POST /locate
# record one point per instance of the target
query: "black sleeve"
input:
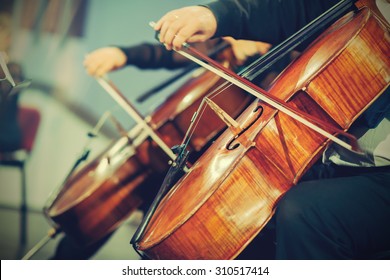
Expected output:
(269, 21)
(17, 75)
(152, 56)
(155, 56)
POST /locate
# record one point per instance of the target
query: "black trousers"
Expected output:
(344, 217)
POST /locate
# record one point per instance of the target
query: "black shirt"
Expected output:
(269, 21)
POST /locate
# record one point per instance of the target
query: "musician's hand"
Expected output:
(104, 60)
(190, 24)
(243, 49)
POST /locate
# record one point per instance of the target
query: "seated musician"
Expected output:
(342, 209)
(10, 131)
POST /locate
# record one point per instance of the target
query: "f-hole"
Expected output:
(230, 146)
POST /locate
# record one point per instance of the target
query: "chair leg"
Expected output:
(23, 213)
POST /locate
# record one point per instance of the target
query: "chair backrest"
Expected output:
(29, 119)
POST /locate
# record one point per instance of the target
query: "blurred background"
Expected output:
(50, 39)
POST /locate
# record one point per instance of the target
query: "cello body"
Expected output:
(229, 195)
(101, 195)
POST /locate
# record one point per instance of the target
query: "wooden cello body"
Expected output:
(229, 195)
(101, 195)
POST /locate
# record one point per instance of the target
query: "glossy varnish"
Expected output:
(228, 196)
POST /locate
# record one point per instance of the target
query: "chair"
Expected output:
(29, 119)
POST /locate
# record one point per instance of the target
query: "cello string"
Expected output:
(277, 52)
(201, 108)
(264, 96)
(194, 123)
(278, 104)
(197, 116)
(264, 62)
(221, 89)
(115, 94)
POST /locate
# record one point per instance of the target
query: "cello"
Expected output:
(230, 194)
(101, 195)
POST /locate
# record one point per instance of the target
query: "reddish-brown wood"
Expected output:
(103, 193)
(173, 117)
(228, 196)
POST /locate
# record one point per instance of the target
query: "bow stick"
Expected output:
(261, 94)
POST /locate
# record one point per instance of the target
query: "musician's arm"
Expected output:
(265, 20)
